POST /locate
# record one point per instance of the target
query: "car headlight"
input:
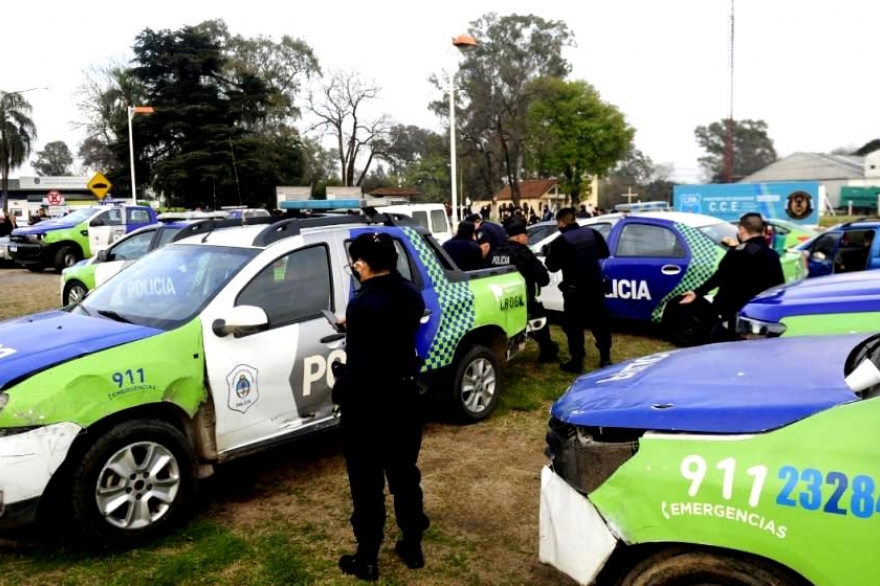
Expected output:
(751, 329)
(35, 237)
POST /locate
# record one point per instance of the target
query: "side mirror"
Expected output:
(103, 256)
(241, 320)
(819, 256)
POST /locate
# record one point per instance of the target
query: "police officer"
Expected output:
(516, 252)
(488, 232)
(464, 249)
(576, 252)
(746, 270)
(378, 398)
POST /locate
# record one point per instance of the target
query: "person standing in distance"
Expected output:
(577, 252)
(746, 270)
(517, 253)
(376, 392)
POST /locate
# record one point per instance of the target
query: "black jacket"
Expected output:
(494, 234)
(528, 265)
(382, 321)
(745, 271)
(465, 252)
(577, 252)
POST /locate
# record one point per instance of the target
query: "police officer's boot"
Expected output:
(410, 551)
(574, 366)
(360, 565)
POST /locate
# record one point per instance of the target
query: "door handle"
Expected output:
(670, 269)
(333, 338)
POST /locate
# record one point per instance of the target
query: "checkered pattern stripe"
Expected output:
(456, 300)
(705, 256)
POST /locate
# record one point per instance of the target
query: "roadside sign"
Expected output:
(54, 198)
(100, 185)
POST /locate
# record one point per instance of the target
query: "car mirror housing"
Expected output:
(241, 320)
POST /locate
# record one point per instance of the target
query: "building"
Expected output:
(833, 171)
(536, 193)
(28, 194)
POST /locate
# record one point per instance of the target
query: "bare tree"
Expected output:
(338, 108)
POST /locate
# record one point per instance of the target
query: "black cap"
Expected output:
(516, 228)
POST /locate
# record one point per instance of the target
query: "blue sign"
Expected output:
(794, 201)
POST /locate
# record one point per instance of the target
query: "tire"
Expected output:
(66, 256)
(136, 520)
(476, 385)
(35, 268)
(74, 292)
(697, 568)
(687, 325)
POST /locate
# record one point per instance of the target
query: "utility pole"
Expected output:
(728, 150)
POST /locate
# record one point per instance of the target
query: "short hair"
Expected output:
(516, 228)
(376, 249)
(475, 218)
(466, 229)
(753, 223)
(566, 215)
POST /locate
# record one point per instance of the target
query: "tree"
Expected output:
(574, 134)
(54, 160)
(339, 110)
(636, 168)
(752, 148)
(868, 147)
(494, 83)
(17, 134)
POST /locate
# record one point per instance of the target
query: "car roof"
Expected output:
(686, 218)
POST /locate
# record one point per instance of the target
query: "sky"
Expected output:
(806, 67)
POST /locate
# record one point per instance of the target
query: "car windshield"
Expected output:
(718, 232)
(539, 232)
(167, 288)
(77, 216)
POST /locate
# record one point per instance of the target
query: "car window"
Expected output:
(293, 288)
(539, 233)
(438, 221)
(422, 219)
(111, 217)
(137, 216)
(165, 236)
(132, 247)
(720, 232)
(649, 241)
(603, 228)
(826, 243)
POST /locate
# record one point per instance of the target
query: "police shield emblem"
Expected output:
(243, 388)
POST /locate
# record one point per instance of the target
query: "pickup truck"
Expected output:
(63, 242)
(215, 347)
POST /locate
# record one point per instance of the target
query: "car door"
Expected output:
(647, 261)
(105, 229)
(122, 254)
(822, 252)
(276, 382)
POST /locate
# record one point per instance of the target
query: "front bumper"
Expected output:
(27, 463)
(574, 537)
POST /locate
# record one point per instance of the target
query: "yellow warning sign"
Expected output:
(99, 185)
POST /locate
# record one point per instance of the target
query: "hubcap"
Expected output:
(76, 294)
(69, 259)
(478, 385)
(137, 485)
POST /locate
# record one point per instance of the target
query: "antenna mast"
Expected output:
(728, 150)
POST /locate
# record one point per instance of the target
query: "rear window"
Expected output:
(718, 232)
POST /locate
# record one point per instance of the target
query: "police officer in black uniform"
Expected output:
(516, 252)
(746, 270)
(380, 423)
(577, 252)
(463, 248)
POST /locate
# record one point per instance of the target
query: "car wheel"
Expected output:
(35, 268)
(476, 386)
(66, 256)
(697, 568)
(687, 325)
(74, 293)
(133, 483)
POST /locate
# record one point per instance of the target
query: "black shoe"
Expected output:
(573, 366)
(411, 554)
(352, 565)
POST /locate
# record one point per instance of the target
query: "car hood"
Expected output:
(44, 340)
(849, 292)
(737, 387)
(45, 226)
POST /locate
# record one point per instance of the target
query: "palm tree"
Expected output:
(17, 134)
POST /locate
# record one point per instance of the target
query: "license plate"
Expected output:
(13, 248)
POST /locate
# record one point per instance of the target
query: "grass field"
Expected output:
(282, 517)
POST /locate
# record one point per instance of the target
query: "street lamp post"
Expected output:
(462, 43)
(132, 110)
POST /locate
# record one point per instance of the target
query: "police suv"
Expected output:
(655, 257)
(214, 347)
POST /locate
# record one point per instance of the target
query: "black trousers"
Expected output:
(586, 309)
(377, 448)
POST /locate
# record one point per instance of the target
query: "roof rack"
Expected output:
(294, 226)
(209, 225)
(332, 204)
(177, 216)
(643, 206)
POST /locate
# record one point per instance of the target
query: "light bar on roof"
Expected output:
(332, 204)
(174, 216)
(643, 206)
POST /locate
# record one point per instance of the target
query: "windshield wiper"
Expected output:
(114, 316)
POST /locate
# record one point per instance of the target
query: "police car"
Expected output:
(743, 464)
(655, 257)
(844, 248)
(214, 347)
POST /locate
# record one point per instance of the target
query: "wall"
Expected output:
(872, 165)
